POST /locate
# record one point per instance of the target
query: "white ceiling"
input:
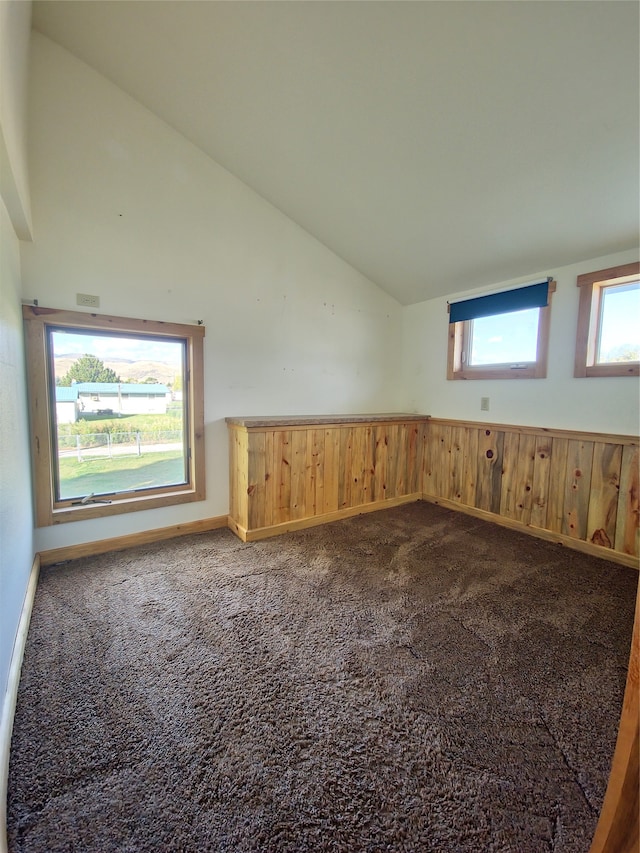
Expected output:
(435, 146)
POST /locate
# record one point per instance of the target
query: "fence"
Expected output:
(109, 444)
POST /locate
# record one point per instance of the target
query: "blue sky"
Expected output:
(621, 323)
(505, 338)
(107, 347)
(512, 337)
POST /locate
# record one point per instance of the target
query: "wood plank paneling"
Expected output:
(557, 478)
(256, 475)
(490, 449)
(298, 473)
(239, 479)
(331, 470)
(470, 457)
(401, 466)
(577, 487)
(456, 464)
(368, 463)
(281, 475)
(282, 468)
(628, 521)
(314, 472)
(234, 465)
(428, 460)
(581, 486)
(393, 454)
(270, 478)
(540, 490)
(346, 467)
(413, 459)
(509, 491)
(526, 466)
(380, 446)
(603, 500)
(357, 471)
(443, 463)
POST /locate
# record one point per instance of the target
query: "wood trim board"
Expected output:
(11, 693)
(119, 543)
(257, 534)
(618, 829)
(608, 438)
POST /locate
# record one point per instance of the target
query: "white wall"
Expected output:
(559, 401)
(127, 209)
(16, 517)
(15, 26)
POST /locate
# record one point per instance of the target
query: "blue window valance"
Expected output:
(519, 299)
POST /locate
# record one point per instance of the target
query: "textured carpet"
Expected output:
(410, 680)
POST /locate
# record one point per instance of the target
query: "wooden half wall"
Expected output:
(289, 473)
(581, 489)
(578, 488)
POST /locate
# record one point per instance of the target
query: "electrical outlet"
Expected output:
(484, 404)
(88, 300)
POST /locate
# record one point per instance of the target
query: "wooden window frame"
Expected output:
(458, 337)
(48, 510)
(591, 286)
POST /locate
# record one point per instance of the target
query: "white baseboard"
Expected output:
(11, 696)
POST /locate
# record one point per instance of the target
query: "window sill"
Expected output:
(66, 513)
(531, 372)
(631, 368)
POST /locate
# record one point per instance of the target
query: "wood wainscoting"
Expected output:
(289, 473)
(578, 488)
(581, 489)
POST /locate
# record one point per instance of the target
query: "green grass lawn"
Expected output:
(102, 475)
(127, 423)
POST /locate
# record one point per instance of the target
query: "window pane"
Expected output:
(505, 338)
(120, 420)
(619, 338)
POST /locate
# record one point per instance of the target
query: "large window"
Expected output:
(501, 336)
(117, 416)
(608, 338)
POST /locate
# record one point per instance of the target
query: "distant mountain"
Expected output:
(127, 370)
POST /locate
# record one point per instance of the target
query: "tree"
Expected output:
(622, 352)
(89, 368)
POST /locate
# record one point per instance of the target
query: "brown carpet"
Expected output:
(411, 680)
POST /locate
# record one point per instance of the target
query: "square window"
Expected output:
(492, 340)
(619, 324)
(506, 339)
(135, 439)
(608, 336)
(107, 437)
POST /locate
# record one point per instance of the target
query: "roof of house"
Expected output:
(126, 389)
(66, 394)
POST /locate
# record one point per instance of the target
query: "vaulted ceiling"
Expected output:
(435, 146)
